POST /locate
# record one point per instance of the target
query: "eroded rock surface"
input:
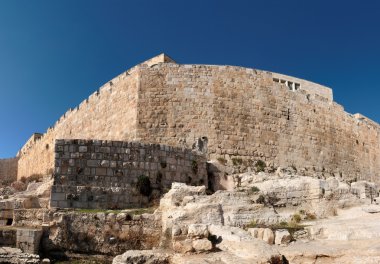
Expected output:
(16, 256)
(142, 256)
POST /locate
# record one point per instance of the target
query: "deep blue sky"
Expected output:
(53, 54)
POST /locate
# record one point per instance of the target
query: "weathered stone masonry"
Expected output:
(8, 170)
(103, 174)
(243, 113)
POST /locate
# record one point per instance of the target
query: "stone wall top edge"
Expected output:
(363, 119)
(234, 67)
(299, 79)
(60, 141)
(177, 65)
(8, 159)
(96, 95)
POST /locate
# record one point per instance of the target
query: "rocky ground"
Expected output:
(277, 217)
(267, 218)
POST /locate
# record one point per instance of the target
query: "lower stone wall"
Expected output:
(102, 233)
(31, 217)
(7, 237)
(105, 174)
(28, 240)
(8, 170)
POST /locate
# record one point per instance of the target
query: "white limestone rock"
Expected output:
(372, 209)
(202, 245)
(142, 256)
(198, 231)
(268, 236)
(183, 246)
(282, 237)
(229, 233)
(265, 234)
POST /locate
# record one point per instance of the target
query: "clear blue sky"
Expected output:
(53, 54)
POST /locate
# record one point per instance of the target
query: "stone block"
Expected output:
(184, 246)
(28, 240)
(58, 196)
(105, 163)
(202, 245)
(268, 236)
(282, 236)
(93, 163)
(101, 171)
(198, 231)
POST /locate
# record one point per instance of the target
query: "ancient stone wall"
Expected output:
(7, 238)
(8, 170)
(245, 114)
(104, 174)
(311, 89)
(241, 113)
(102, 233)
(109, 113)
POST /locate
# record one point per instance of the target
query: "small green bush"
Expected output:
(194, 166)
(296, 218)
(310, 216)
(222, 160)
(237, 161)
(260, 166)
(252, 224)
(255, 189)
(261, 199)
(159, 177)
(143, 185)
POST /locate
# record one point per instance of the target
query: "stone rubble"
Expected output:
(142, 256)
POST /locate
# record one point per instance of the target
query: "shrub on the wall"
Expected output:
(143, 185)
(222, 160)
(237, 161)
(31, 178)
(163, 164)
(260, 166)
(194, 166)
(19, 186)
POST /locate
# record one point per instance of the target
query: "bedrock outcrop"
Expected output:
(288, 213)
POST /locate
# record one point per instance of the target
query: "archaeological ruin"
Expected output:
(233, 112)
(224, 148)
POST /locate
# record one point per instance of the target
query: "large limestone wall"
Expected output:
(8, 170)
(103, 174)
(109, 113)
(244, 113)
